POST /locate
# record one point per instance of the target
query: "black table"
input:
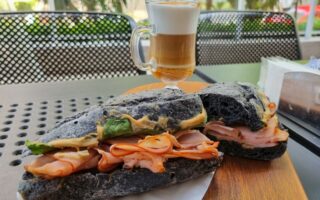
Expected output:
(28, 110)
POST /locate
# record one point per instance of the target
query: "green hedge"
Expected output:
(247, 26)
(90, 27)
(316, 25)
(82, 27)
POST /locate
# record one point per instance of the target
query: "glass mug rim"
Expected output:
(172, 40)
(196, 2)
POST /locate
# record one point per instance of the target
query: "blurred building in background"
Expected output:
(299, 9)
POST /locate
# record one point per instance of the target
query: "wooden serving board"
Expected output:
(243, 179)
(187, 86)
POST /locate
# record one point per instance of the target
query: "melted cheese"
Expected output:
(267, 114)
(86, 141)
(100, 131)
(163, 122)
(72, 155)
(195, 121)
(145, 123)
(140, 124)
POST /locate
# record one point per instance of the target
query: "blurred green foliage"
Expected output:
(38, 28)
(68, 26)
(64, 5)
(81, 27)
(91, 5)
(261, 4)
(248, 25)
(94, 27)
(4, 6)
(232, 4)
(4, 24)
(316, 25)
(25, 5)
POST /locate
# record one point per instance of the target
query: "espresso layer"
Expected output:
(173, 51)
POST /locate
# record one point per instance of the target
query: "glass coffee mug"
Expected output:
(172, 40)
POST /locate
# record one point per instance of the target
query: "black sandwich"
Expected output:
(130, 144)
(244, 121)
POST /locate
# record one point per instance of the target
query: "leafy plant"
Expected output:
(109, 5)
(4, 24)
(232, 4)
(248, 25)
(93, 27)
(64, 5)
(25, 5)
(84, 26)
(208, 26)
(38, 27)
(316, 25)
(261, 4)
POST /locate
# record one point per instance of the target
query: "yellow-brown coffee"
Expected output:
(174, 56)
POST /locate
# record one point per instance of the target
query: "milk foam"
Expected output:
(174, 19)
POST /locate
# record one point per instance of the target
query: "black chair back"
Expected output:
(245, 37)
(60, 46)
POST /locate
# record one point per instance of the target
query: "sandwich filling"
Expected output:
(126, 125)
(268, 136)
(150, 152)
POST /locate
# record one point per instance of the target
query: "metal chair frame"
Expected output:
(210, 53)
(90, 55)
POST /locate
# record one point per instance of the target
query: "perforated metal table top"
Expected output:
(29, 110)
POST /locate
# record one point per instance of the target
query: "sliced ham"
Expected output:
(202, 151)
(157, 144)
(75, 158)
(63, 163)
(107, 161)
(150, 152)
(124, 149)
(91, 163)
(153, 162)
(269, 136)
(191, 138)
(47, 167)
(130, 140)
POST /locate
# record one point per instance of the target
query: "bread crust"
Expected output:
(120, 182)
(166, 103)
(172, 104)
(234, 103)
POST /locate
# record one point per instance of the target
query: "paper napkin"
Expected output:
(272, 74)
(193, 190)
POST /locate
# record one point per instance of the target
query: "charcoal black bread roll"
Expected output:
(154, 103)
(235, 149)
(234, 103)
(172, 104)
(121, 147)
(92, 185)
(166, 109)
(243, 120)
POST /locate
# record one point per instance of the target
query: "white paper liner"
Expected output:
(192, 190)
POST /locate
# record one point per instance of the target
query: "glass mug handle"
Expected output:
(137, 34)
